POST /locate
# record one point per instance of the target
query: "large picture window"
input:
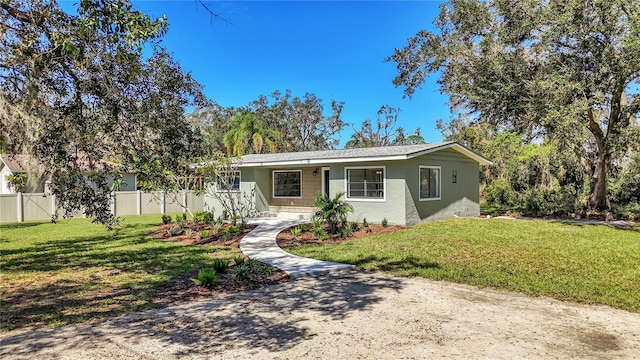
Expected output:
(429, 183)
(365, 183)
(287, 184)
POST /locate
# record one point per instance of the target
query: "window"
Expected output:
(429, 183)
(228, 181)
(365, 183)
(287, 184)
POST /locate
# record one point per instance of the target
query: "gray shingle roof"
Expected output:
(361, 154)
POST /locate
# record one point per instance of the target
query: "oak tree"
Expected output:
(76, 89)
(556, 68)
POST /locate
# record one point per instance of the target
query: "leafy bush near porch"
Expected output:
(333, 211)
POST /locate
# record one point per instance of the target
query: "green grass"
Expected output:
(73, 271)
(593, 264)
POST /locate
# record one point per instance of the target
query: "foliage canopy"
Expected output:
(565, 69)
(76, 89)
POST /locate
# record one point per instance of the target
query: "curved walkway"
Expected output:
(260, 244)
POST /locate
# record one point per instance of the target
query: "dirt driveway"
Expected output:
(353, 315)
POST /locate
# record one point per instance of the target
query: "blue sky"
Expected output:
(334, 49)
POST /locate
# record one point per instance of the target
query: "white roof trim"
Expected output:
(457, 147)
(454, 146)
(323, 161)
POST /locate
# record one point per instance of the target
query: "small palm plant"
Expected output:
(332, 210)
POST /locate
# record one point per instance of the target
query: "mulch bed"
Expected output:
(214, 239)
(183, 289)
(285, 239)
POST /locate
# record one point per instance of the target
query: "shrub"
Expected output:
(17, 181)
(206, 278)
(345, 231)
(203, 216)
(628, 212)
(354, 227)
(368, 229)
(548, 202)
(166, 219)
(188, 232)
(365, 224)
(215, 227)
(241, 272)
(204, 234)
(296, 231)
(385, 223)
(180, 219)
(232, 230)
(259, 269)
(333, 211)
(316, 229)
(220, 265)
(501, 193)
(174, 230)
(323, 237)
(252, 269)
(238, 260)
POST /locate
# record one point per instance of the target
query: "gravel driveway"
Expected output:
(352, 315)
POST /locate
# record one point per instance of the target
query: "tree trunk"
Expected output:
(598, 198)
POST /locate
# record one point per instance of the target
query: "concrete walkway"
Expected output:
(260, 244)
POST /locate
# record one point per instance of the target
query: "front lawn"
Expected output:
(72, 271)
(593, 264)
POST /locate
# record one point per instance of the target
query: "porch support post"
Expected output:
(162, 202)
(138, 202)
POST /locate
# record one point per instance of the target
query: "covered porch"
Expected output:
(283, 191)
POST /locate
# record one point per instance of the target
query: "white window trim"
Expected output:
(273, 184)
(323, 183)
(439, 182)
(384, 183)
(218, 190)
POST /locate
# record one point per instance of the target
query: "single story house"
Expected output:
(405, 184)
(18, 163)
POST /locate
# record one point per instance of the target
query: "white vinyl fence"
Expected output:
(39, 206)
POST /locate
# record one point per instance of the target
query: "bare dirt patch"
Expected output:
(354, 315)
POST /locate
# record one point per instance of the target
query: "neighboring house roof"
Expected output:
(400, 152)
(16, 163)
(20, 163)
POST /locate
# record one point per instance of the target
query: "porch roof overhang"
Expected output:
(327, 157)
